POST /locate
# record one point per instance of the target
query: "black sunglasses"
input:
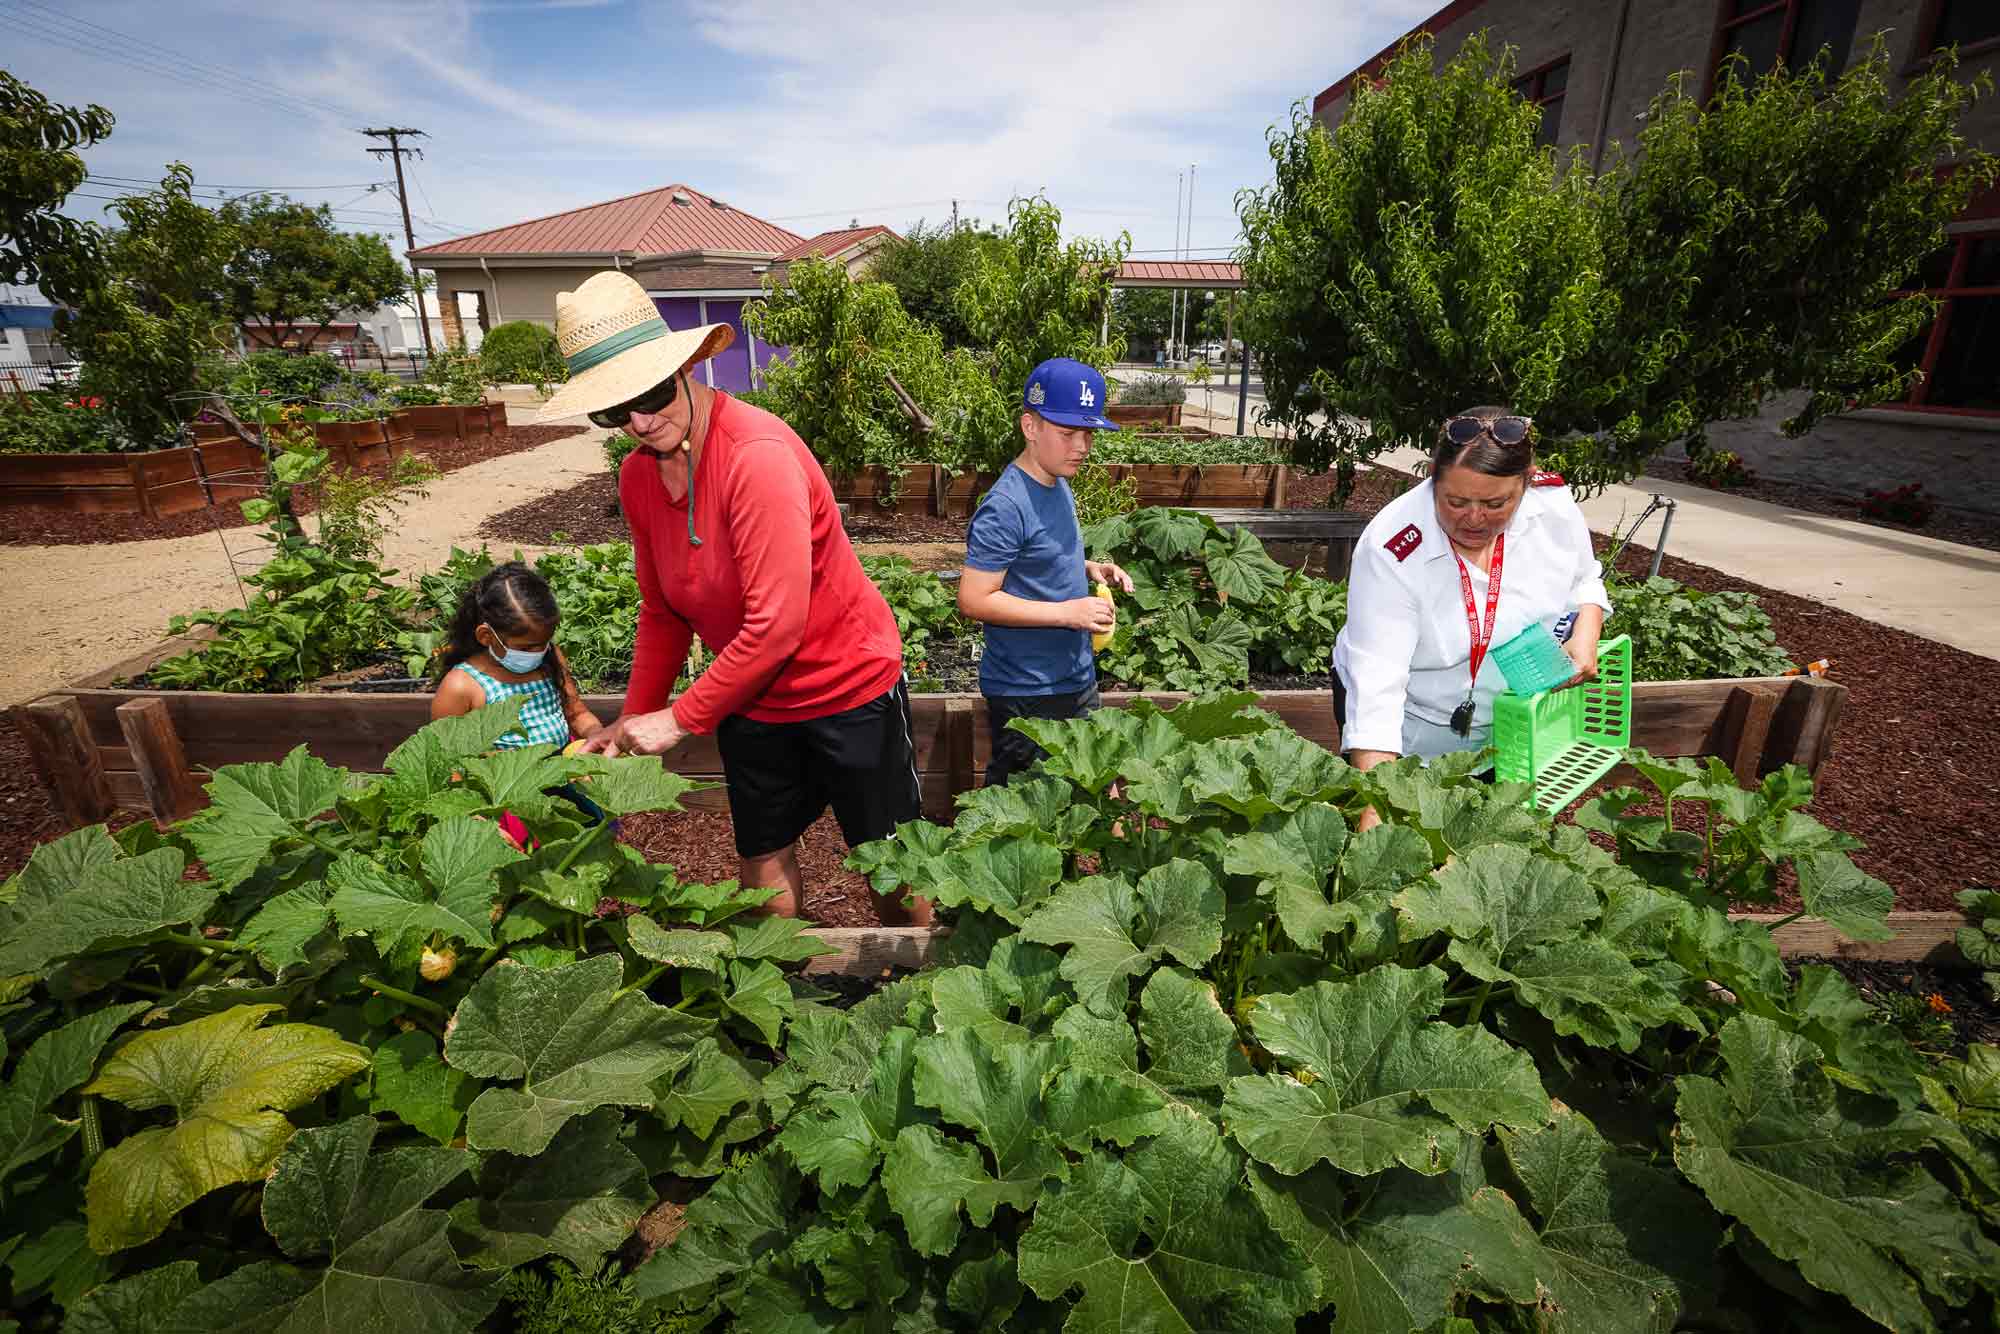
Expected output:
(1504, 430)
(653, 400)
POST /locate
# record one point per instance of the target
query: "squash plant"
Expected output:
(379, 1055)
(1200, 1056)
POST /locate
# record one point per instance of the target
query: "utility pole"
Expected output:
(1187, 249)
(395, 150)
(954, 217)
(1174, 297)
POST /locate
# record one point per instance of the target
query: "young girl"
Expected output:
(503, 645)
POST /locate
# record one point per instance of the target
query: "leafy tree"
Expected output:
(926, 268)
(1428, 255)
(39, 167)
(520, 352)
(142, 305)
(846, 339)
(1035, 297)
(296, 267)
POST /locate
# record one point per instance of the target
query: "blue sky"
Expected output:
(807, 114)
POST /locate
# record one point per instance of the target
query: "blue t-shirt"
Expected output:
(1030, 531)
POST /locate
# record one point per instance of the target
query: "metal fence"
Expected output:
(16, 376)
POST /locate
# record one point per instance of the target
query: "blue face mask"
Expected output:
(520, 661)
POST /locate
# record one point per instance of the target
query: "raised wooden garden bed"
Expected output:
(365, 446)
(102, 748)
(923, 488)
(454, 421)
(1144, 414)
(162, 481)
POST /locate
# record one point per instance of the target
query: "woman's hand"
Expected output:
(1106, 572)
(1584, 655)
(1367, 820)
(637, 734)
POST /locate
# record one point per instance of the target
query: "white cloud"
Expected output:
(788, 109)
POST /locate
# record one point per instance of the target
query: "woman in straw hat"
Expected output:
(736, 538)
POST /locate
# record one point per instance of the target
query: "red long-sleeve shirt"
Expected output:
(774, 589)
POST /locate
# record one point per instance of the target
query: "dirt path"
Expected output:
(75, 609)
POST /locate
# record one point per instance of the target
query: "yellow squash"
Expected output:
(1099, 641)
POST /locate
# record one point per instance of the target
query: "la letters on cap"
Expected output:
(1403, 543)
(1547, 478)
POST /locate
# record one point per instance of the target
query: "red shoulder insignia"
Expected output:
(1403, 543)
(1546, 478)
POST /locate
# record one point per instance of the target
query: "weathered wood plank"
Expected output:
(865, 951)
(1921, 937)
(1748, 724)
(159, 759)
(64, 755)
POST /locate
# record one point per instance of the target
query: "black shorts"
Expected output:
(1013, 752)
(781, 776)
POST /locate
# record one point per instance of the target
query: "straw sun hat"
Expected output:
(617, 346)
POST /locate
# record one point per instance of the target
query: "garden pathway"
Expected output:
(75, 609)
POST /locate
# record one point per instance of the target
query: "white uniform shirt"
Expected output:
(1406, 648)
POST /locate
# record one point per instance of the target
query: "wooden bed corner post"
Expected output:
(960, 772)
(58, 739)
(1746, 730)
(1802, 731)
(160, 758)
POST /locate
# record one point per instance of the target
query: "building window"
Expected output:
(1768, 33)
(1960, 352)
(1545, 88)
(1960, 23)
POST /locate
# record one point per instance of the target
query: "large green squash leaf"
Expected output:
(113, 903)
(423, 765)
(841, 1135)
(579, 1200)
(1389, 1083)
(1822, 1177)
(1167, 1238)
(1115, 932)
(747, 1213)
(229, 1083)
(1393, 1252)
(413, 1083)
(389, 1265)
(141, 1304)
(58, 1062)
(571, 1037)
(996, 1092)
(255, 806)
(1626, 1244)
(459, 857)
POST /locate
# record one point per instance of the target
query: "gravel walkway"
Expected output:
(92, 605)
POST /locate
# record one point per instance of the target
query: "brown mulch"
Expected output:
(44, 525)
(585, 513)
(1912, 771)
(701, 848)
(1947, 525)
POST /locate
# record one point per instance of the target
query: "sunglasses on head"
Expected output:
(1504, 430)
(653, 400)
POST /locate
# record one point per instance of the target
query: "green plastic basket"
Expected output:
(1562, 741)
(1533, 661)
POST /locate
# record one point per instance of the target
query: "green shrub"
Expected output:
(1683, 634)
(521, 352)
(54, 422)
(569, 1301)
(292, 376)
(1183, 450)
(616, 446)
(1153, 389)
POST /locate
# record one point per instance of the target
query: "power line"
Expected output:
(232, 77)
(106, 178)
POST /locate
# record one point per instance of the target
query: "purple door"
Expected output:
(730, 368)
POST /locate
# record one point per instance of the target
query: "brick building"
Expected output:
(1594, 66)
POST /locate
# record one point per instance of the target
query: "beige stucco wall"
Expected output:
(512, 293)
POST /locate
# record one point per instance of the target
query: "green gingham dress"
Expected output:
(542, 719)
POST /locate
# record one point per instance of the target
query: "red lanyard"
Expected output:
(1481, 638)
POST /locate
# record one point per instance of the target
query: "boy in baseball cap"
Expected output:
(1025, 574)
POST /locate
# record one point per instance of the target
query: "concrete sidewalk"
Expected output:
(1939, 590)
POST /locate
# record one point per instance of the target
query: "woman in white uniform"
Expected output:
(1483, 548)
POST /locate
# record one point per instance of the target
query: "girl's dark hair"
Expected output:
(511, 598)
(1485, 454)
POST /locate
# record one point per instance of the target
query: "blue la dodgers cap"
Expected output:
(1068, 393)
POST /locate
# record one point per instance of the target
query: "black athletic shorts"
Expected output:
(1013, 752)
(781, 776)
